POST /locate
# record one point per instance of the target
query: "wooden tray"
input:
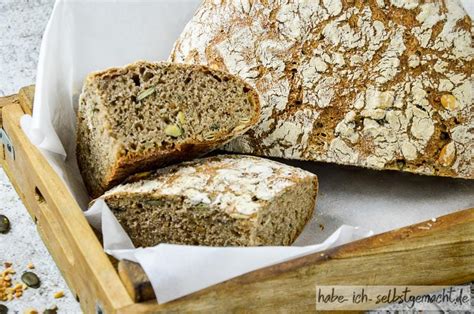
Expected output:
(430, 253)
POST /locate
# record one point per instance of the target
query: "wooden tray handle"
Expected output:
(54, 227)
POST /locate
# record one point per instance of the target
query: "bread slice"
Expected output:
(225, 200)
(385, 84)
(146, 115)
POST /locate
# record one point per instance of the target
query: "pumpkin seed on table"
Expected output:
(4, 224)
(59, 294)
(30, 279)
(3, 309)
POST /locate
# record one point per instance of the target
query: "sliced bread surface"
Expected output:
(147, 115)
(224, 200)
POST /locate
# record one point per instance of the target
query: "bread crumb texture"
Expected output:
(147, 115)
(226, 200)
(384, 84)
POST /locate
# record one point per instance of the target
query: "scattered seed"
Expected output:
(173, 130)
(31, 279)
(7, 264)
(214, 127)
(209, 136)
(181, 118)
(240, 128)
(141, 175)
(214, 66)
(3, 309)
(252, 100)
(201, 206)
(59, 294)
(238, 216)
(4, 224)
(156, 203)
(30, 311)
(146, 93)
(321, 227)
(245, 120)
(447, 154)
(51, 311)
(400, 164)
(30, 266)
(448, 101)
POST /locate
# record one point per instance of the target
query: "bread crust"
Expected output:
(383, 84)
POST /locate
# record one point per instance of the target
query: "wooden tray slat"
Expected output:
(61, 223)
(26, 97)
(429, 253)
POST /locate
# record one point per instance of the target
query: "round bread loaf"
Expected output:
(384, 84)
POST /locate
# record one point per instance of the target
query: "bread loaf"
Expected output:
(147, 115)
(226, 200)
(384, 84)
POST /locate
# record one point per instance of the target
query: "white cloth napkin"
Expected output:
(85, 35)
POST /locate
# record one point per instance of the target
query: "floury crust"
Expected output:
(383, 84)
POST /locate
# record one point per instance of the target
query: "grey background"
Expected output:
(22, 23)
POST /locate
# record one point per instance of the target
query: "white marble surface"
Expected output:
(22, 23)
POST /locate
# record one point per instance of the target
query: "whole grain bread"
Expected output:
(146, 115)
(385, 84)
(224, 200)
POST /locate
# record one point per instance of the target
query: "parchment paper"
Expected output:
(84, 36)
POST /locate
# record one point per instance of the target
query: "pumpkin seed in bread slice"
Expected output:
(146, 115)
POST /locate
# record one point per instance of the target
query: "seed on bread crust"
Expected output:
(448, 101)
(447, 155)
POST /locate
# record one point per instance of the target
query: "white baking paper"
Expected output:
(84, 36)
(177, 270)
